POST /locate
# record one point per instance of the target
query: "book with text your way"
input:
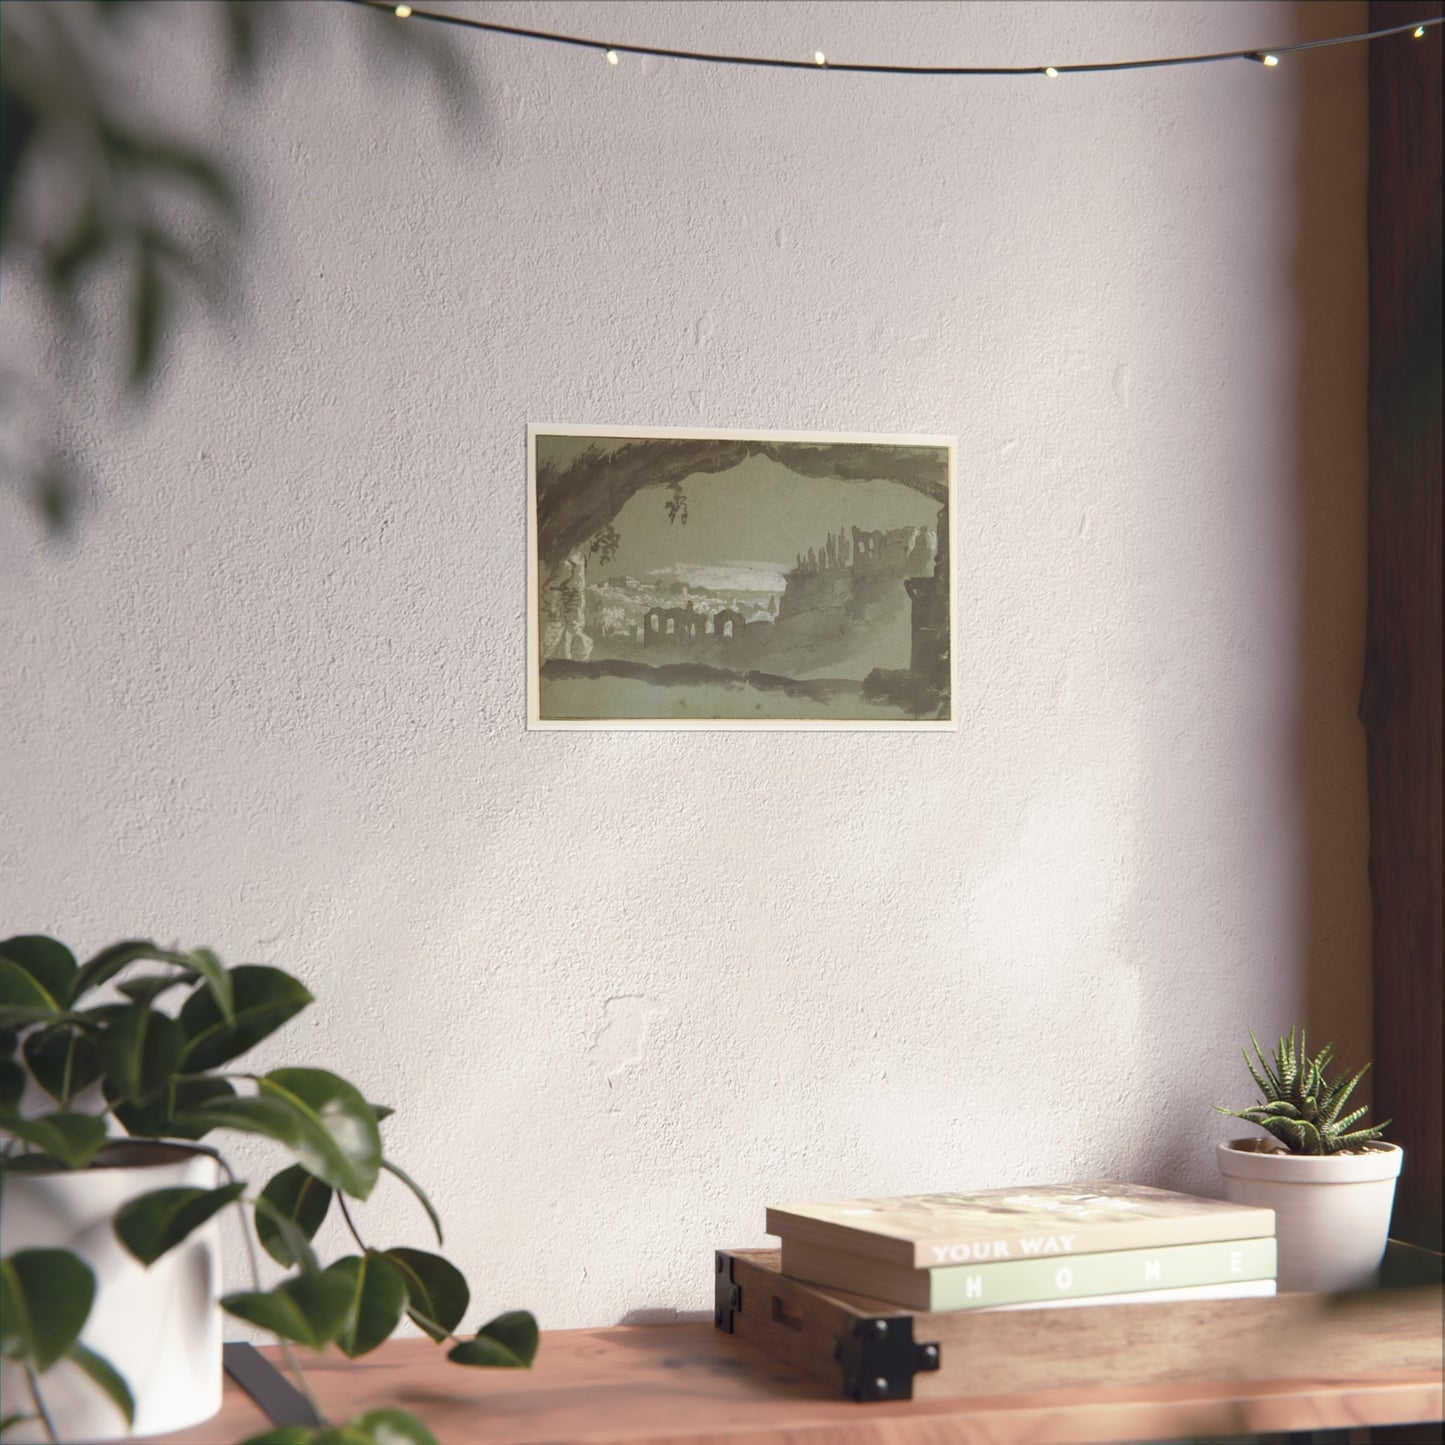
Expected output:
(1032, 1222)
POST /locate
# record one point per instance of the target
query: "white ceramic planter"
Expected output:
(160, 1327)
(1331, 1212)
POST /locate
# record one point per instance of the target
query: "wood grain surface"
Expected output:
(670, 1384)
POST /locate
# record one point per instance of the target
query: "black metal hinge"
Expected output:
(880, 1358)
(727, 1296)
(280, 1401)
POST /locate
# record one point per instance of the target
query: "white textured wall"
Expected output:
(624, 990)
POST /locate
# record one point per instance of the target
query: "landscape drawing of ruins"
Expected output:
(729, 579)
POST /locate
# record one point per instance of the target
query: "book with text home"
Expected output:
(1032, 1281)
(924, 1231)
(1245, 1289)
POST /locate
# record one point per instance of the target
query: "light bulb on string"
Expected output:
(1260, 57)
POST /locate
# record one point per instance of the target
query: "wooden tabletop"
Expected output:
(694, 1385)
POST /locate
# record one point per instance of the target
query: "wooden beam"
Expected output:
(1400, 703)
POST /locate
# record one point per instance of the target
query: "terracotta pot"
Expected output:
(160, 1327)
(1331, 1211)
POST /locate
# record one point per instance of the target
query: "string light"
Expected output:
(1260, 56)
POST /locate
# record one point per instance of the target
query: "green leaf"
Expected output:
(104, 1374)
(50, 964)
(210, 968)
(295, 1243)
(1338, 1126)
(141, 1051)
(340, 1143)
(284, 1435)
(142, 1121)
(310, 1310)
(437, 1294)
(416, 1189)
(1360, 1136)
(298, 1197)
(10, 1421)
(96, 1019)
(14, 1323)
(63, 1060)
(269, 1117)
(45, 1299)
(187, 1094)
(507, 1342)
(264, 998)
(392, 1427)
(109, 962)
(148, 989)
(151, 1224)
(163, 1116)
(73, 1139)
(382, 1111)
(517, 1330)
(378, 1296)
(23, 999)
(341, 1435)
(12, 1086)
(325, 1131)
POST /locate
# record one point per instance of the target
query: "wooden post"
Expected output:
(1400, 703)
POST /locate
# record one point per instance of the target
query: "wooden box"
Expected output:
(870, 1350)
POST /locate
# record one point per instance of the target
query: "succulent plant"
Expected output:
(1301, 1108)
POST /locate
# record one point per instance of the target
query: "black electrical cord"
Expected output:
(613, 49)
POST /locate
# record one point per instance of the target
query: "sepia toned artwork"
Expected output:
(726, 579)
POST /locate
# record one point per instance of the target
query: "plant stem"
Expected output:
(286, 1354)
(294, 1365)
(39, 1403)
(69, 1069)
(346, 1215)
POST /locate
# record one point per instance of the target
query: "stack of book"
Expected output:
(1031, 1247)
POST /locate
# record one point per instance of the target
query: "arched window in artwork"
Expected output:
(728, 628)
(672, 625)
(655, 622)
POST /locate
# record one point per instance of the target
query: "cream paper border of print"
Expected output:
(535, 721)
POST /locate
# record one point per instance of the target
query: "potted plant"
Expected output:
(110, 1193)
(1331, 1185)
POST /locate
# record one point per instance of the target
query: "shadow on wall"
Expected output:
(1325, 905)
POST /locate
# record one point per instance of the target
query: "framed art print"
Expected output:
(689, 578)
